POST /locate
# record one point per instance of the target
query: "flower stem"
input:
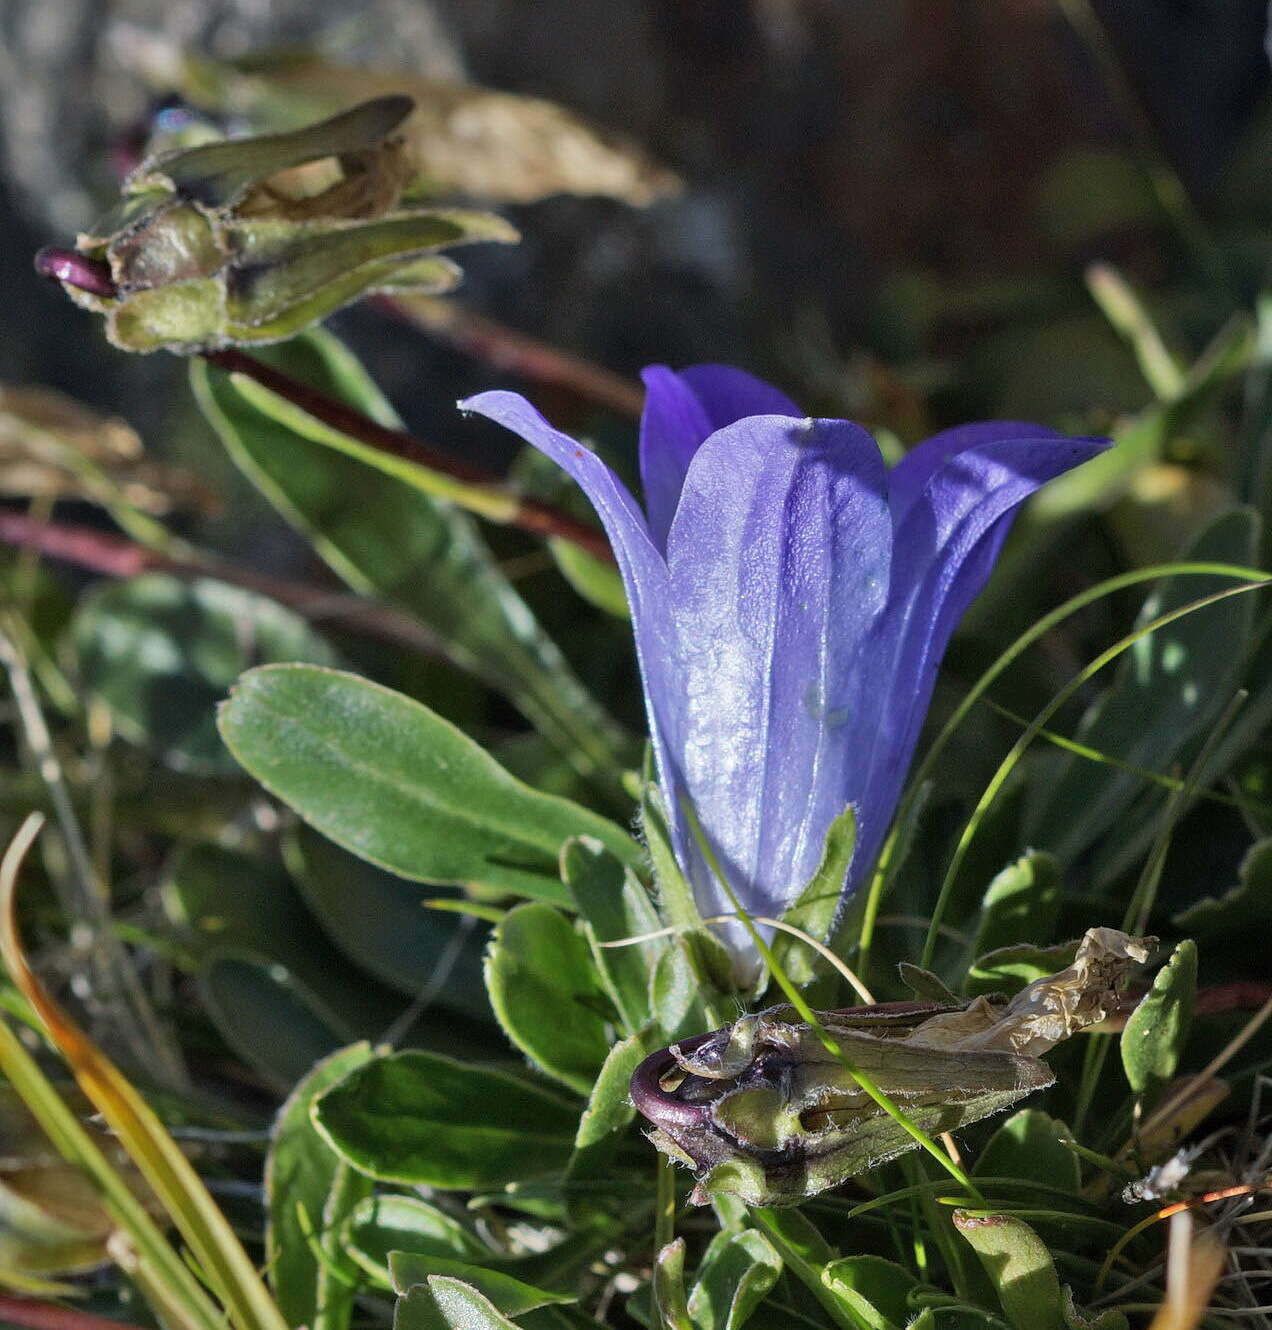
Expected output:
(664, 1200)
(115, 556)
(531, 515)
(516, 352)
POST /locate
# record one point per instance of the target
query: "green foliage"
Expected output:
(379, 922)
(447, 1303)
(272, 982)
(388, 538)
(1172, 685)
(614, 906)
(1153, 1040)
(1024, 1275)
(161, 653)
(877, 1290)
(1021, 904)
(815, 908)
(736, 1272)
(1242, 912)
(424, 941)
(542, 986)
(399, 786)
(1032, 1145)
(424, 1120)
(509, 1295)
(309, 1193)
(390, 1223)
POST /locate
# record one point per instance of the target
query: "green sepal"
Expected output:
(217, 175)
(815, 908)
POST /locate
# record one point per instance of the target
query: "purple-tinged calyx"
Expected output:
(791, 599)
(765, 1110)
(77, 270)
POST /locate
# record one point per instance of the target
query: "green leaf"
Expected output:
(558, 1318)
(268, 1017)
(955, 1318)
(669, 1287)
(448, 1304)
(927, 986)
(380, 922)
(162, 652)
(676, 905)
(1024, 1275)
(421, 1119)
(1029, 1145)
(807, 1254)
(387, 538)
(609, 1108)
(736, 1272)
(875, 1288)
(1154, 1035)
(597, 581)
(305, 1177)
(511, 1296)
(1245, 910)
(1021, 904)
(676, 993)
(1009, 969)
(1171, 687)
(273, 985)
(1019, 1266)
(613, 905)
(544, 989)
(815, 908)
(389, 1223)
(396, 784)
(601, 1131)
(223, 900)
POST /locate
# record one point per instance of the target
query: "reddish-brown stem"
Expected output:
(507, 349)
(116, 556)
(49, 1316)
(543, 519)
(530, 515)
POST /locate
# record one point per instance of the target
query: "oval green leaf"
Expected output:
(162, 652)
(546, 994)
(394, 783)
(421, 1119)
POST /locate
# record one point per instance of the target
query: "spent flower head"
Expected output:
(251, 240)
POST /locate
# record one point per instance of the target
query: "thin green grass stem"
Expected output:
(1036, 631)
(1008, 764)
(664, 1201)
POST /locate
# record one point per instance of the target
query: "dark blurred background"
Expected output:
(889, 206)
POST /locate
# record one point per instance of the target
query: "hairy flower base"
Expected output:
(763, 1110)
